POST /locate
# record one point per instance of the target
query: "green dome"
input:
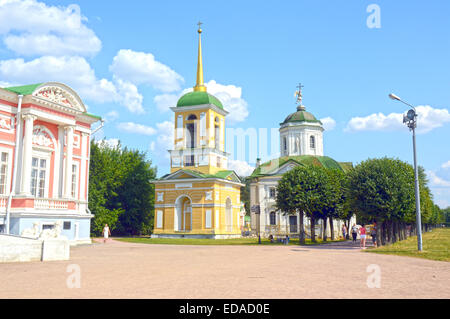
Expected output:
(198, 98)
(301, 116)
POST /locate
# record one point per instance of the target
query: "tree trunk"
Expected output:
(324, 235)
(395, 233)
(383, 233)
(390, 231)
(302, 229)
(331, 228)
(378, 233)
(313, 229)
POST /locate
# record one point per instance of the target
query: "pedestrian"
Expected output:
(344, 231)
(106, 233)
(287, 240)
(362, 236)
(373, 233)
(354, 232)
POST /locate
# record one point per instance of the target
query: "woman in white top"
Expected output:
(106, 233)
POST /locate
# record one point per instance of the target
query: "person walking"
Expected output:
(354, 232)
(344, 231)
(362, 235)
(373, 233)
(106, 233)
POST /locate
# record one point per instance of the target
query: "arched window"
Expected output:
(192, 117)
(273, 218)
(312, 142)
(285, 144)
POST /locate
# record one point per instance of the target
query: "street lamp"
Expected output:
(410, 119)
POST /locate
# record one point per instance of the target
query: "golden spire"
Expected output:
(199, 87)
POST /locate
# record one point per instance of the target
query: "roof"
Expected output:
(272, 167)
(301, 116)
(24, 89)
(31, 88)
(225, 174)
(198, 98)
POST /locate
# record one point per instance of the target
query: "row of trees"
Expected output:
(120, 192)
(376, 190)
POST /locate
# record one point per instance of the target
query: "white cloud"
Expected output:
(132, 127)
(231, 98)
(32, 28)
(437, 181)
(328, 123)
(164, 139)
(73, 71)
(242, 168)
(142, 68)
(446, 165)
(111, 116)
(77, 73)
(428, 119)
(130, 96)
(165, 101)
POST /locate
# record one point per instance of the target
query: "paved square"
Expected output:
(128, 270)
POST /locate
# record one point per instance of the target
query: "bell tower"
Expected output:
(199, 137)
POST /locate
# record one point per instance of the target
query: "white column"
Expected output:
(68, 162)
(83, 168)
(60, 156)
(27, 154)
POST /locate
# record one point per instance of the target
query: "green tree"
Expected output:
(245, 194)
(120, 191)
(304, 189)
(382, 190)
(334, 198)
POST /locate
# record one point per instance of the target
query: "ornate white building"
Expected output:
(44, 153)
(301, 143)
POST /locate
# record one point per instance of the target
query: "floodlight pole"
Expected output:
(412, 123)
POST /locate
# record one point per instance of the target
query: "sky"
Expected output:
(131, 60)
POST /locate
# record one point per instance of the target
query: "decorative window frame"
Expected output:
(9, 168)
(46, 154)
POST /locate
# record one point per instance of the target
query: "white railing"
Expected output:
(50, 204)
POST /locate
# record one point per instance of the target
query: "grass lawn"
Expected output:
(436, 246)
(235, 241)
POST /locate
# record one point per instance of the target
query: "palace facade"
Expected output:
(44, 153)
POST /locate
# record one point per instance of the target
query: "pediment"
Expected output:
(60, 94)
(286, 167)
(181, 174)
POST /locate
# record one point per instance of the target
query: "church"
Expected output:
(44, 161)
(200, 197)
(301, 143)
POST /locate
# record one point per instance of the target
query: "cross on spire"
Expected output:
(199, 26)
(298, 93)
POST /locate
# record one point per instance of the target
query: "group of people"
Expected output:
(362, 234)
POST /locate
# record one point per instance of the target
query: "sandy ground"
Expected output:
(127, 270)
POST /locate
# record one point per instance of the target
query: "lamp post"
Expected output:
(410, 119)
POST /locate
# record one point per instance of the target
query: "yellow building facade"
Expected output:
(200, 197)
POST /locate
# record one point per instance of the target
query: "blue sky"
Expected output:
(130, 61)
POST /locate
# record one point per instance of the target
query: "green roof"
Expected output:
(220, 174)
(301, 116)
(24, 89)
(198, 98)
(270, 167)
